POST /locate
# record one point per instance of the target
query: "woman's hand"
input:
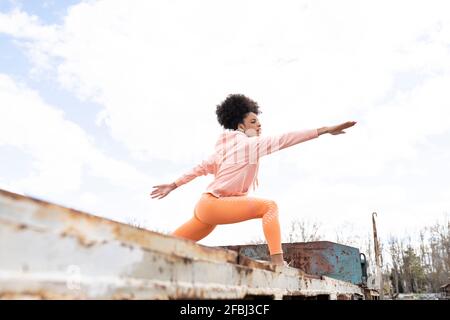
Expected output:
(335, 130)
(162, 190)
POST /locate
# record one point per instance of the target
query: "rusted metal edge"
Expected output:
(29, 212)
(39, 241)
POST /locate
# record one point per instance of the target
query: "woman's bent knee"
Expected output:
(271, 205)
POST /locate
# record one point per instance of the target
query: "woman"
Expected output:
(235, 164)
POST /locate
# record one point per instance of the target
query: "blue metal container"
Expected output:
(322, 258)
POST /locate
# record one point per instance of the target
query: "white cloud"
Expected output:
(163, 67)
(38, 40)
(60, 149)
(22, 25)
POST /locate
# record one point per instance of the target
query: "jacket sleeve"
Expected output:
(261, 146)
(205, 167)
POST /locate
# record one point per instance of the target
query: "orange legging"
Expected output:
(211, 211)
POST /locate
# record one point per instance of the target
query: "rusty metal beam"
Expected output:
(52, 252)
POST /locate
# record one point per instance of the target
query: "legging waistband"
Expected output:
(209, 194)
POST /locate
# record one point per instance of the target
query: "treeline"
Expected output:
(415, 264)
(420, 266)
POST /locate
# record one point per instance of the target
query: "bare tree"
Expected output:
(302, 230)
(136, 223)
(257, 240)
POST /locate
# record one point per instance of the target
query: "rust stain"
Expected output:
(126, 245)
(37, 295)
(68, 215)
(46, 210)
(144, 238)
(247, 262)
(186, 260)
(20, 226)
(16, 196)
(123, 296)
(188, 293)
(82, 240)
(244, 271)
(129, 234)
(302, 259)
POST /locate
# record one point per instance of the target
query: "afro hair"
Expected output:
(234, 109)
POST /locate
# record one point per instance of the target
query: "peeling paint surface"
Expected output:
(52, 252)
(317, 258)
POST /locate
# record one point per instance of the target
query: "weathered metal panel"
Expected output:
(51, 252)
(318, 258)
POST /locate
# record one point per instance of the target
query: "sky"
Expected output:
(101, 100)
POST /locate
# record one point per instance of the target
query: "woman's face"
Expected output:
(251, 122)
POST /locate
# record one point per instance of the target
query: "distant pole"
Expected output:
(396, 281)
(378, 257)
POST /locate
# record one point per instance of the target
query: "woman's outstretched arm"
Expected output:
(338, 129)
(162, 190)
(207, 166)
(266, 145)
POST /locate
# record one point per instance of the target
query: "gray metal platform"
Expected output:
(51, 252)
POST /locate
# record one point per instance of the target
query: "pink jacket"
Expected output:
(235, 161)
